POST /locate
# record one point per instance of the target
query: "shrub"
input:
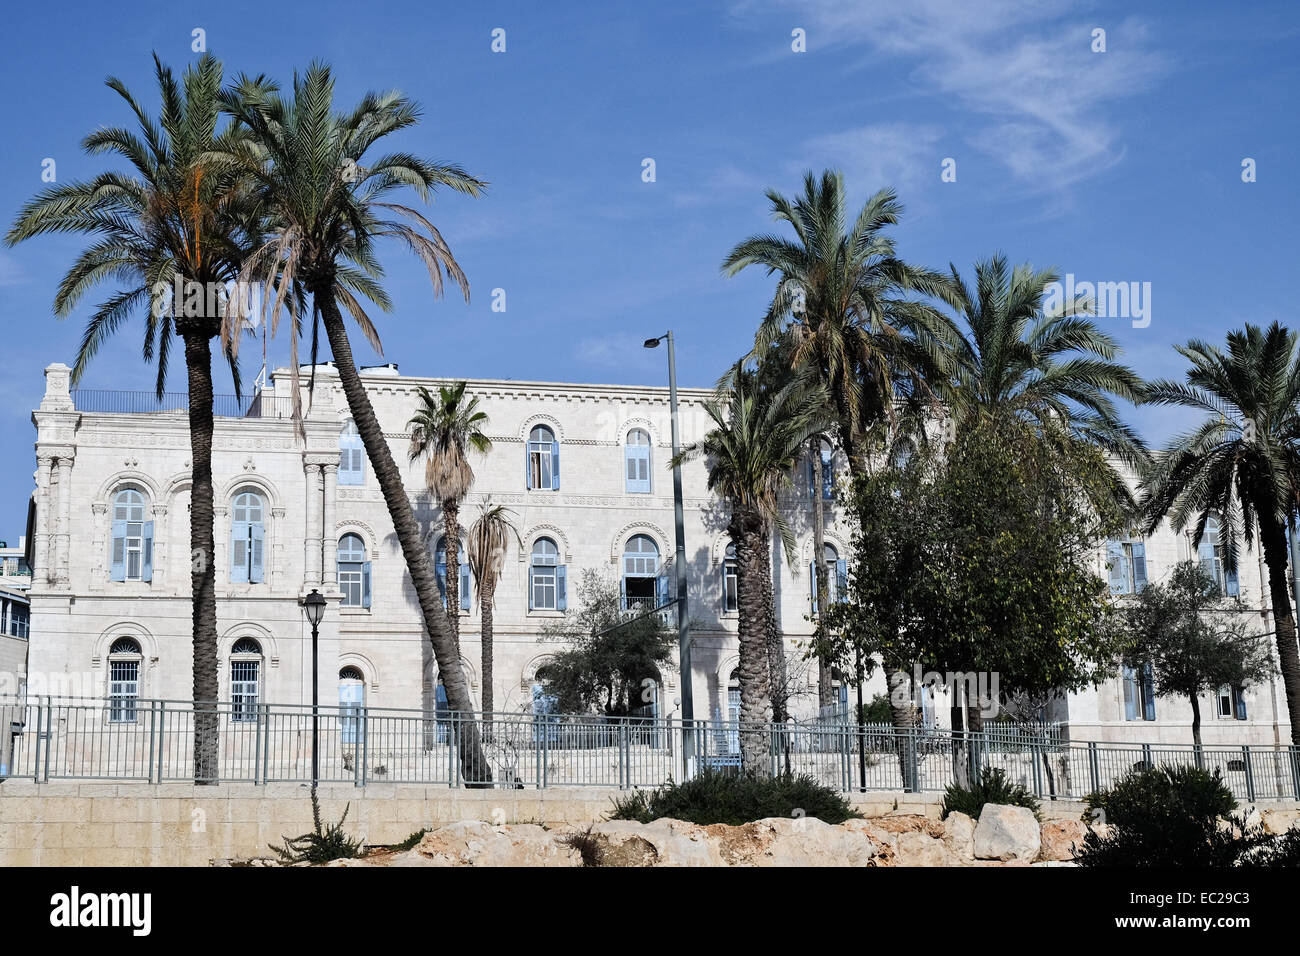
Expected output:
(322, 844)
(1273, 851)
(992, 787)
(588, 847)
(714, 796)
(1165, 816)
(413, 840)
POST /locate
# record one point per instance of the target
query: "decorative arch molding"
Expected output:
(179, 483)
(528, 676)
(367, 533)
(131, 629)
(249, 480)
(532, 421)
(471, 675)
(639, 527)
(369, 672)
(259, 633)
(554, 532)
(718, 550)
(643, 423)
(831, 537)
(127, 476)
(725, 666)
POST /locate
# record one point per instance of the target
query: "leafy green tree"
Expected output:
(172, 216)
(444, 429)
(609, 658)
(327, 207)
(1240, 464)
(1193, 640)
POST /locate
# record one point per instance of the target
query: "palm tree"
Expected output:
(443, 429)
(326, 210)
(172, 216)
(488, 539)
(845, 303)
(1241, 464)
(757, 438)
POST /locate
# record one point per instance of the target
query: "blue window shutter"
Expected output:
(622, 592)
(841, 580)
(1148, 693)
(1139, 565)
(256, 558)
(365, 584)
(1239, 695)
(531, 605)
(555, 466)
(812, 582)
(661, 590)
(1130, 694)
(1231, 584)
(1205, 556)
(561, 597)
(1118, 567)
(117, 567)
(464, 586)
(239, 552)
(146, 559)
(528, 471)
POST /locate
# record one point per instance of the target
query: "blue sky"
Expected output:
(1115, 166)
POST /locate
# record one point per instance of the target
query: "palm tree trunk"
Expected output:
(755, 705)
(1196, 725)
(1273, 538)
(474, 766)
(903, 716)
(487, 588)
(825, 690)
(203, 592)
(776, 663)
(451, 537)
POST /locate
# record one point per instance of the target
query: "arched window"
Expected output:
(542, 460)
(641, 588)
(636, 455)
(1211, 555)
(828, 473)
(462, 575)
(730, 581)
(247, 538)
(352, 697)
(132, 557)
(546, 578)
(245, 672)
(352, 456)
(354, 571)
(123, 680)
(837, 578)
(731, 743)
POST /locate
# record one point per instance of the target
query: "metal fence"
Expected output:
(152, 741)
(118, 401)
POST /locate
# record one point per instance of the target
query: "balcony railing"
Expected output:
(117, 402)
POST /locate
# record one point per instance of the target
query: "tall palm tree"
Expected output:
(172, 216)
(1241, 464)
(847, 305)
(327, 208)
(757, 438)
(443, 429)
(487, 542)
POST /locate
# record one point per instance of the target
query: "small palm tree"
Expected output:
(1241, 464)
(758, 436)
(847, 307)
(327, 208)
(487, 543)
(443, 429)
(173, 216)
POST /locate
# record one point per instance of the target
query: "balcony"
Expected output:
(117, 402)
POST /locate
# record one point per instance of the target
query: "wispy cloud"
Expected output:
(898, 154)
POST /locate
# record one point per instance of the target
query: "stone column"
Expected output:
(331, 540)
(312, 554)
(160, 539)
(41, 572)
(64, 521)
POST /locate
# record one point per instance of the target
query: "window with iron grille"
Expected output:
(244, 667)
(123, 680)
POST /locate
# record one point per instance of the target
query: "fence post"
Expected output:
(148, 765)
(49, 737)
(259, 771)
(846, 778)
(454, 751)
(266, 746)
(162, 738)
(546, 752)
(36, 758)
(914, 765)
(976, 755)
(1038, 770)
(622, 756)
(1250, 774)
(1295, 769)
(1094, 769)
(363, 744)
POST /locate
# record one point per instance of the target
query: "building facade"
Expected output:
(583, 469)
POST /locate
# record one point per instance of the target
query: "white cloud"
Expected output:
(872, 157)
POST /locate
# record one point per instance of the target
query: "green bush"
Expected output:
(715, 796)
(1273, 851)
(992, 787)
(323, 844)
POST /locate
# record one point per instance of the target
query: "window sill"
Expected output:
(543, 612)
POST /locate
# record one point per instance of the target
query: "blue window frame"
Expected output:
(1126, 564)
(352, 697)
(1231, 702)
(354, 571)
(542, 460)
(546, 578)
(640, 586)
(247, 538)
(1212, 558)
(245, 668)
(132, 547)
(730, 581)
(837, 586)
(636, 457)
(462, 577)
(1139, 693)
(352, 456)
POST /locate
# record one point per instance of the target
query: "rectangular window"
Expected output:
(123, 691)
(1231, 701)
(1139, 693)
(133, 544)
(243, 691)
(539, 464)
(730, 594)
(350, 583)
(543, 587)
(1126, 563)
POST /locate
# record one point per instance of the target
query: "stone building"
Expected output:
(582, 468)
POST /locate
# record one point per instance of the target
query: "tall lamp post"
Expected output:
(683, 617)
(314, 605)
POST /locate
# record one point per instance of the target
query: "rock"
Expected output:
(1278, 822)
(659, 843)
(475, 843)
(920, 849)
(1006, 833)
(959, 835)
(782, 841)
(1253, 817)
(1061, 840)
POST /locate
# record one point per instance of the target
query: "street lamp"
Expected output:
(683, 618)
(314, 606)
